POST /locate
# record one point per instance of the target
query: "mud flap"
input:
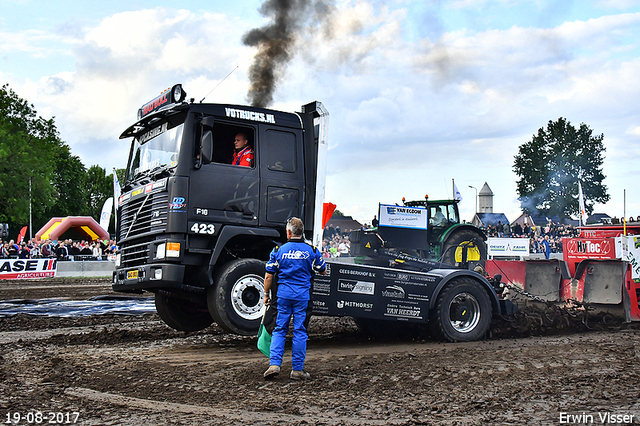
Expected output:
(602, 280)
(543, 278)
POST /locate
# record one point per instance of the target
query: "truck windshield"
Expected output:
(157, 148)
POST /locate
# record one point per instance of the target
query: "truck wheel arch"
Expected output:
(230, 232)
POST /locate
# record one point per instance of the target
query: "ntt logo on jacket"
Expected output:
(295, 255)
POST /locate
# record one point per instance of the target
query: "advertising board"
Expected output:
(11, 269)
(403, 217)
(631, 253)
(507, 247)
(366, 292)
(575, 250)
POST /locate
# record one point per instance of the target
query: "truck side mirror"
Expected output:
(206, 147)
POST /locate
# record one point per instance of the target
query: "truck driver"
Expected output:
(243, 154)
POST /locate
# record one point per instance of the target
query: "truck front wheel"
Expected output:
(181, 314)
(462, 312)
(236, 299)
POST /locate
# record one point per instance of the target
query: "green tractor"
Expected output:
(448, 238)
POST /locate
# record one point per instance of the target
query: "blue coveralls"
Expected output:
(294, 262)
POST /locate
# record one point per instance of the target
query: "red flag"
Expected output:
(22, 233)
(327, 212)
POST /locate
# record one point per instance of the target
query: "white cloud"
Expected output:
(634, 130)
(406, 116)
(128, 59)
(618, 4)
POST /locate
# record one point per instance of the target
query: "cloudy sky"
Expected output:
(420, 92)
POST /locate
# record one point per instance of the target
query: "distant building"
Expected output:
(485, 215)
(487, 219)
(598, 218)
(485, 199)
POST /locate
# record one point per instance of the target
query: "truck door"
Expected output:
(281, 173)
(223, 192)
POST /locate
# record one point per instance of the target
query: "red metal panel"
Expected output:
(603, 231)
(632, 289)
(512, 271)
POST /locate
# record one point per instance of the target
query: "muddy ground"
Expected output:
(540, 368)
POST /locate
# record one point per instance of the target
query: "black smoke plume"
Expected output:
(276, 43)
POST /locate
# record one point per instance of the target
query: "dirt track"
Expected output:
(121, 370)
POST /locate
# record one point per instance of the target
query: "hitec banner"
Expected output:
(508, 246)
(589, 248)
(16, 269)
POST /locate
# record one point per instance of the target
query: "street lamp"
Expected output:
(476, 196)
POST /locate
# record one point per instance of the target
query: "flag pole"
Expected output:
(624, 212)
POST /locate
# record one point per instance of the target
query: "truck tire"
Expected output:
(453, 246)
(236, 299)
(180, 314)
(463, 311)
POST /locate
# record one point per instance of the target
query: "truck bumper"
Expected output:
(148, 277)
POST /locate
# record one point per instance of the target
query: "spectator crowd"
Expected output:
(539, 236)
(61, 250)
(336, 242)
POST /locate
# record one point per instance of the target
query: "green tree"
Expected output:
(552, 163)
(69, 183)
(27, 147)
(99, 188)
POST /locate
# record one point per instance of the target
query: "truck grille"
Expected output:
(151, 217)
(135, 254)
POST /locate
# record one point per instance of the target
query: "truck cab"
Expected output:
(194, 228)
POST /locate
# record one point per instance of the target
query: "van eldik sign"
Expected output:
(15, 269)
(508, 246)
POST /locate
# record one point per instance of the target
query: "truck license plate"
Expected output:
(132, 275)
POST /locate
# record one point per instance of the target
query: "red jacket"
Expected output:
(243, 158)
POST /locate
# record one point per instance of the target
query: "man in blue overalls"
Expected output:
(294, 262)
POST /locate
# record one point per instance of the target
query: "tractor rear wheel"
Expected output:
(464, 239)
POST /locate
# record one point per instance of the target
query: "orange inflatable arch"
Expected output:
(84, 224)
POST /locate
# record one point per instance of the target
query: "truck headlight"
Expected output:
(168, 250)
(173, 249)
(161, 251)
